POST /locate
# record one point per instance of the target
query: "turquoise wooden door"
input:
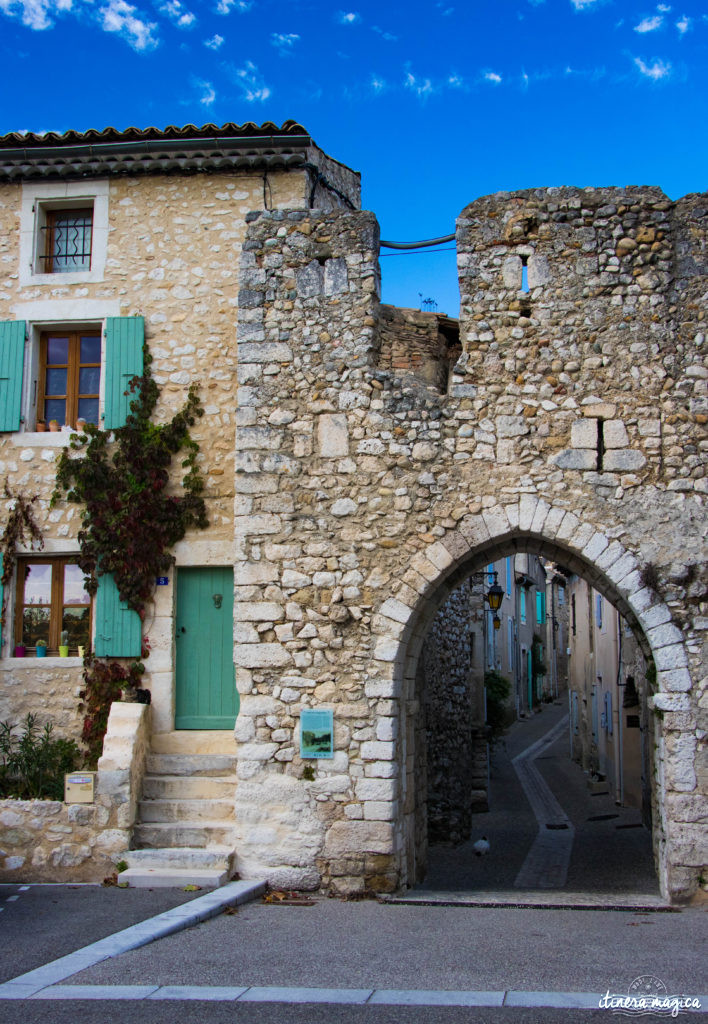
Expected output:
(206, 695)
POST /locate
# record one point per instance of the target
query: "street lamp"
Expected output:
(495, 596)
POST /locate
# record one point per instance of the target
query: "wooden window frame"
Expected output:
(57, 603)
(51, 215)
(73, 367)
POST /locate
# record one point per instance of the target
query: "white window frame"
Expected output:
(37, 198)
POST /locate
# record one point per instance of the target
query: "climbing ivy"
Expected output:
(131, 519)
(20, 528)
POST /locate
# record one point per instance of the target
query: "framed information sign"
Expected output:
(316, 733)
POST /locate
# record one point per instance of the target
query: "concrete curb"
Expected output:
(175, 920)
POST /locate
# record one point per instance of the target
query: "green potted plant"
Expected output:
(41, 649)
(54, 426)
(64, 644)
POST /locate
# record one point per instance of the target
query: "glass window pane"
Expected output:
(57, 350)
(56, 382)
(88, 410)
(38, 583)
(89, 377)
(76, 623)
(55, 409)
(74, 591)
(90, 349)
(72, 241)
(35, 626)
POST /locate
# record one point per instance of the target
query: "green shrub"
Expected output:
(33, 764)
(498, 689)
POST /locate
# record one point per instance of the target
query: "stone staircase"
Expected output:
(184, 834)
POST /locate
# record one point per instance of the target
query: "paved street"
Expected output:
(372, 961)
(610, 851)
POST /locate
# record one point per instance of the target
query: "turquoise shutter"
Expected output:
(540, 602)
(125, 337)
(118, 633)
(12, 361)
(1, 597)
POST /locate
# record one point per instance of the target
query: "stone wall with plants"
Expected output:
(50, 841)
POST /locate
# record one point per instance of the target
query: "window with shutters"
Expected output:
(69, 377)
(52, 605)
(64, 240)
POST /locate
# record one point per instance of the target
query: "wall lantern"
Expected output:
(496, 622)
(495, 596)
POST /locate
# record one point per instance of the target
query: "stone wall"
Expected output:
(365, 497)
(453, 705)
(50, 841)
(424, 344)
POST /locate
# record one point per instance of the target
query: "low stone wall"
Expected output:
(47, 840)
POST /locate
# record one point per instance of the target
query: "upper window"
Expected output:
(64, 240)
(63, 230)
(52, 605)
(69, 377)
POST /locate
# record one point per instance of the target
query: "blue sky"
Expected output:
(436, 103)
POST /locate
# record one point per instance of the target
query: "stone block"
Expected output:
(614, 434)
(622, 460)
(583, 434)
(258, 611)
(254, 573)
(336, 278)
(343, 507)
(511, 273)
(264, 655)
(539, 271)
(345, 838)
(309, 280)
(511, 426)
(264, 352)
(580, 459)
(377, 750)
(332, 436)
(380, 810)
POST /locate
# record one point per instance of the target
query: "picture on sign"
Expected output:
(316, 733)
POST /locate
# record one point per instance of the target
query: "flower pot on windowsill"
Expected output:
(40, 426)
(20, 650)
(41, 650)
(63, 650)
(54, 426)
(80, 426)
(81, 650)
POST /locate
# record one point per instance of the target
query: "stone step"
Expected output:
(196, 834)
(194, 741)
(190, 764)
(183, 857)
(185, 810)
(163, 878)
(185, 787)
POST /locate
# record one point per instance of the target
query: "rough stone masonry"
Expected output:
(573, 425)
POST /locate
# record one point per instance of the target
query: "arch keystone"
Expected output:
(528, 503)
(540, 516)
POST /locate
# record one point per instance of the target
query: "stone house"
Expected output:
(348, 496)
(610, 730)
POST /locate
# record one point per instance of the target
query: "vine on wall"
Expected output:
(131, 519)
(20, 529)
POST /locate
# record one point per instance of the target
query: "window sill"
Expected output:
(42, 439)
(30, 662)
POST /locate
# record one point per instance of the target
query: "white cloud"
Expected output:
(251, 82)
(492, 76)
(683, 24)
(35, 14)
(387, 36)
(208, 94)
(378, 84)
(284, 41)
(581, 5)
(348, 18)
(664, 8)
(445, 11)
(119, 16)
(177, 12)
(649, 24)
(215, 42)
(657, 70)
(455, 81)
(422, 87)
(240, 6)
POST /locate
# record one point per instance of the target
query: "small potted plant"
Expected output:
(20, 650)
(81, 425)
(81, 650)
(54, 426)
(64, 644)
(40, 426)
(41, 649)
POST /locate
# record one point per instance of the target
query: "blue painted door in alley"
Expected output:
(206, 695)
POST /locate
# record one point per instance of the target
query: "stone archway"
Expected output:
(535, 526)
